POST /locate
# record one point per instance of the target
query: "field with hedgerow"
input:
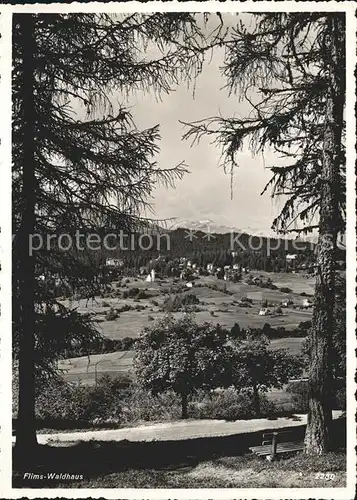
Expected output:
(99, 387)
(133, 304)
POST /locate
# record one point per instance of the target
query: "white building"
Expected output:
(264, 311)
(151, 277)
(210, 268)
(110, 262)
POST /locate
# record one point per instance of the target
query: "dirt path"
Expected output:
(173, 431)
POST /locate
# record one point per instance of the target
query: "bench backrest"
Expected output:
(280, 436)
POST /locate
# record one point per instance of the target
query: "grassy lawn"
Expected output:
(235, 472)
(247, 471)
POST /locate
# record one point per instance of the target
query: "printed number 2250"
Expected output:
(326, 476)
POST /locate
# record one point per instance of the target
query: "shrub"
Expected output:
(279, 332)
(141, 295)
(59, 400)
(244, 304)
(190, 299)
(300, 395)
(303, 328)
(230, 405)
(192, 309)
(179, 302)
(124, 308)
(111, 315)
(105, 304)
(127, 343)
(131, 293)
(285, 289)
(140, 405)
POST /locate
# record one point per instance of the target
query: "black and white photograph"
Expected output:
(183, 238)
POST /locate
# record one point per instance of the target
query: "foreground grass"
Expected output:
(234, 472)
(247, 471)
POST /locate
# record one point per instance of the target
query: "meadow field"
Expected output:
(219, 305)
(219, 302)
(86, 369)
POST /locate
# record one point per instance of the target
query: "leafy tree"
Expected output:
(295, 62)
(257, 368)
(79, 162)
(182, 356)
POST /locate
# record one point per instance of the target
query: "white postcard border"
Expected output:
(6, 491)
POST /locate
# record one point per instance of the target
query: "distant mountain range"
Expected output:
(209, 225)
(205, 225)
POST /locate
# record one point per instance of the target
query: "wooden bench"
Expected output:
(278, 442)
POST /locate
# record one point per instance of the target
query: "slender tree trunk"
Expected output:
(184, 405)
(26, 441)
(256, 400)
(318, 432)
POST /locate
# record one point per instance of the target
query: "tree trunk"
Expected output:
(184, 405)
(318, 432)
(26, 441)
(256, 400)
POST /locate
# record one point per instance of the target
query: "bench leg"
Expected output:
(274, 445)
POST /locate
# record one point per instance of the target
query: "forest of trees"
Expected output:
(254, 252)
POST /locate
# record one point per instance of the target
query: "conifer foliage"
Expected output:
(79, 161)
(290, 68)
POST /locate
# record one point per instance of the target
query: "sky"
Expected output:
(205, 192)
